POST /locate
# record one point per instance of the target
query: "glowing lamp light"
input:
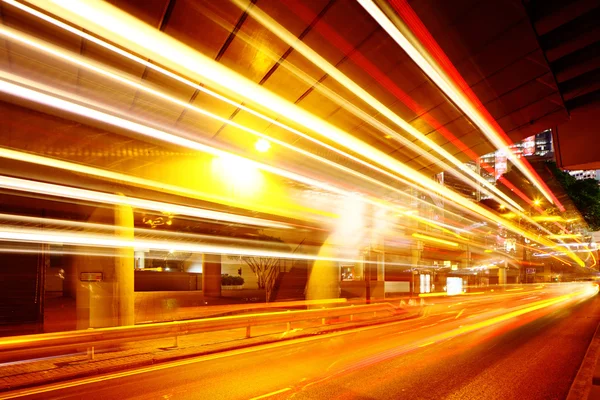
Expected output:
(262, 145)
(537, 202)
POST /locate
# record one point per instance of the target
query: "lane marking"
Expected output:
(460, 313)
(426, 344)
(272, 393)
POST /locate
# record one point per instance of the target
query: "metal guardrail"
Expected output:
(18, 348)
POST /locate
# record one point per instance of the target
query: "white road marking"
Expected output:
(271, 394)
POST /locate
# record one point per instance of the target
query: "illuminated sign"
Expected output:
(529, 146)
(454, 286)
(510, 245)
(501, 165)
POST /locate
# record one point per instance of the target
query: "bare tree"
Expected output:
(266, 270)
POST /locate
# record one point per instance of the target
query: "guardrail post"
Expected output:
(289, 324)
(351, 315)
(176, 344)
(248, 331)
(90, 353)
(323, 321)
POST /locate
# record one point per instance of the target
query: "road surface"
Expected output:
(525, 344)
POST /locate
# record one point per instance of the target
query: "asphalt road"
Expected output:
(518, 345)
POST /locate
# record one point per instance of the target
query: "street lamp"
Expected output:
(262, 145)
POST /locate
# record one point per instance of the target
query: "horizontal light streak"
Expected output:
(446, 85)
(434, 239)
(565, 236)
(42, 98)
(78, 226)
(107, 241)
(146, 183)
(547, 218)
(49, 189)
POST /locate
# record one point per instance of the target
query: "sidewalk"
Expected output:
(133, 355)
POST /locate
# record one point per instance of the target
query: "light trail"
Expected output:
(385, 82)
(147, 183)
(54, 102)
(81, 62)
(192, 62)
(417, 53)
(49, 189)
(366, 97)
(434, 239)
(191, 84)
(109, 241)
(114, 24)
(15, 35)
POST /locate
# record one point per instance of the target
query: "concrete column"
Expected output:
(211, 275)
(124, 266)
(501, 275)
(108, 301)
(415, 261)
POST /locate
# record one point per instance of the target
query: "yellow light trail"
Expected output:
(366, 97)
(434, 239)
(17, 234)
(69, 226)
(55, 51)
(112, 23)
(147, 183)
(40, 97)
(49, 189)
(79, 61)
(205, 90)
(437, 75)
(194, 62)
(54, 102)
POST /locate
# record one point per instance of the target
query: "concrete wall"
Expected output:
(148, 281)
(357, 289)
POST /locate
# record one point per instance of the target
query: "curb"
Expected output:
(587, 381)
(144, 360)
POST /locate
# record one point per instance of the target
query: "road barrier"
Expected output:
(18, 348)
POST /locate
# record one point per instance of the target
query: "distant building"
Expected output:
(585, 174)
(538, 145)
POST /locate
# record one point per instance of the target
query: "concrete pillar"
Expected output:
(415, 260)
(109, 299)
(211, 275)
(501, 275)
(502, 270)
(323, 281)
(124, 266)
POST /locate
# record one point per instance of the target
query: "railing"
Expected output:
(17, 348)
